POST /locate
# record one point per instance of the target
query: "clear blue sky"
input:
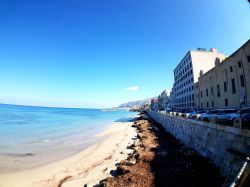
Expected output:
(85, 53)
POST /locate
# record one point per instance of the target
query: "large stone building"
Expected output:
(187, 73)
(227, 85)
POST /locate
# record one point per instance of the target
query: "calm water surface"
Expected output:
(33, 136)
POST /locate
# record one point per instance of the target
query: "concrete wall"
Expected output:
(210, 140)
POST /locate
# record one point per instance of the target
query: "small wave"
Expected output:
(18, 154)
(108, 110)
(39, 141)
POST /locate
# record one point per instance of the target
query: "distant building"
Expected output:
(154, 105)
(227, 85)
(186, 73)
(163, 100)
(171, 103)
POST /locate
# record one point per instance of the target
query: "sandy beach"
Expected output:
(87, 167)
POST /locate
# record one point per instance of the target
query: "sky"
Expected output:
(96, 53)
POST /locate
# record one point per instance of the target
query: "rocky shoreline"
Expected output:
(158, 159)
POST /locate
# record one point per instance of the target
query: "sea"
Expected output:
(35, 136)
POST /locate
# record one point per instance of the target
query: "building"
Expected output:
(171, 100)
(227, 85)
(163, 100)
(187, 72)
(154, 105)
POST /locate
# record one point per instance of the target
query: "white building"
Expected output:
(186, 73)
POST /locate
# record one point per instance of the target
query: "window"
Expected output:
(212, 104)
(218, 90)
(242, 81)
(240, 64)
(226, 102)
(248, 58)
(231, 68)
(212, 91)
(225, 86)
(201, 105)
(207, 104)
(233, 86)
(201, 94)
(207, 92)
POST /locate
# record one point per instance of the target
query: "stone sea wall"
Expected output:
(225, 146)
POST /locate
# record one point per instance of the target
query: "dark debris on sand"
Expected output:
(159, 159)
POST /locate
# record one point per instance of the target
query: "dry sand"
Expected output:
(87, 167)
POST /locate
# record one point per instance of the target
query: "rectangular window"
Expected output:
(231, 68)
(226, 102)
(225, 86)
(240, 64)
(242, 81)
(207, 92)
(212, 104)
(248, 58)
(207, 104)
(218, 90)
(233, 86)
(212, 91)
(201, 94)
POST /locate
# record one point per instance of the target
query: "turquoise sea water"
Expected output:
(31, 133)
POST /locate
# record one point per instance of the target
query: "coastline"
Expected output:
(159, 159)
(87, 167)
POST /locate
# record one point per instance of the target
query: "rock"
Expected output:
(131, 146)
(128, 151)
(110, 168)
(130, 162)
(91, 184)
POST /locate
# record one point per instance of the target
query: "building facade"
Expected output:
(227, 85)
(186, 74)
(154, 105)
(164, 100)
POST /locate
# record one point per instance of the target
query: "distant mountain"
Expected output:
(134, 104)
